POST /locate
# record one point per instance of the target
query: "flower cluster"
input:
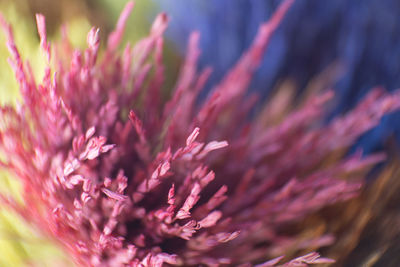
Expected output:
(355, 58)
(121, 177)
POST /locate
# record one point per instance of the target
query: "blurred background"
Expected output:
(349, 46)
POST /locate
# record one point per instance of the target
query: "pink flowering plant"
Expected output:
(121, 176)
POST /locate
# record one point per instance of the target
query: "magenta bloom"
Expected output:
(121, 177)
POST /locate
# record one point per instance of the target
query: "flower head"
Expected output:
(121, 177)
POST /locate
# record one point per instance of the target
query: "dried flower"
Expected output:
(122, 178)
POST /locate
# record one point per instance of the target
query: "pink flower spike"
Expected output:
(114, 195)
(41, 26)
(93, 38)
(159, 25)
(192, 137)
(90, 132)
(214, 145)
(171, 195)
(211, 219)
(116, 36)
